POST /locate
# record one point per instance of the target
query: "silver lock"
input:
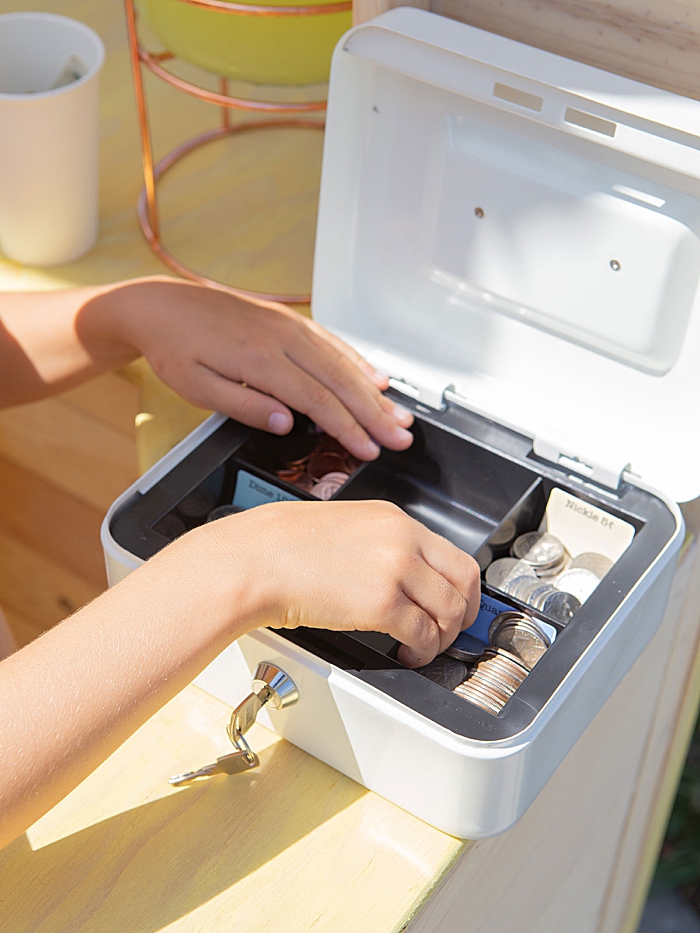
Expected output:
(271, 685)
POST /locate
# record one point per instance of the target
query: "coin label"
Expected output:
(251, 491)
(488, 610)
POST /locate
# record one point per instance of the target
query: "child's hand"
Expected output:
(361, 565)
(250, 362)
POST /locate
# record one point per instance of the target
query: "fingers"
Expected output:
(442, 604)
(456, 567)
(246, 405)
(378, 379)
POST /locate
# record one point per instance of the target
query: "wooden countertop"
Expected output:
(295, 846)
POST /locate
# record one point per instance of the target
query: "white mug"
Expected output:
(49, 70)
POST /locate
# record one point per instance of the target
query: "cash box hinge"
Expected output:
(602, 474)
(417, 382)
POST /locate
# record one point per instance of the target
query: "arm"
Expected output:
(216, 350)
(74, 695)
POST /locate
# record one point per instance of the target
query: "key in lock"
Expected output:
(271, 686)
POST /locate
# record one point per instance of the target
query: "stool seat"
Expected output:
(271, 50)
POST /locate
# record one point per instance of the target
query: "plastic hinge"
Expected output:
(602, 474)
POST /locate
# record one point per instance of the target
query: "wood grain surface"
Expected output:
(655, 41)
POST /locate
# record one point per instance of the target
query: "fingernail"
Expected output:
(372, 449)
(379, 378)
(402, 435)
(407, 657)
(279, 422)
(403, 416)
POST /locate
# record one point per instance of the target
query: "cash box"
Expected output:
(513, 238)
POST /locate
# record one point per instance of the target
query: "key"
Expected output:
(227, 764)
(246, 712)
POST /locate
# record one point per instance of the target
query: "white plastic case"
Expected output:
(512, 237)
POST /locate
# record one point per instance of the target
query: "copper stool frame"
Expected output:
(152, 173)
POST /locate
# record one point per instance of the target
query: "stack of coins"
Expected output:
(493, 680)
(321, 472)
(541, 573)
(516, 643)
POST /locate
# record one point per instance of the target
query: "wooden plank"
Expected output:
(675, 715)
(291, 846)
(37, 588)
(90, 460)
(655, 41)
(51, 522)
(550, 871)
(109, 398)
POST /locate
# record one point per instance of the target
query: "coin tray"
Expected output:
(475, 482)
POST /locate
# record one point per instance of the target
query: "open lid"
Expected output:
(523, 229)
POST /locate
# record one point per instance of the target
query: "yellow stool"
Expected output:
(278, 43)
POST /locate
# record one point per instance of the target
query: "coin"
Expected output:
(504, 534)
(465, 647)
(445, 671)
(578, 581)
(543, 594)
(560, 607)
(325, 491)
(501, 571)
(323, 462)
(480, 697)
(543, 590)
(598, 564)
(518, 634)
(336, 477)
(539, 549)
(525, 587)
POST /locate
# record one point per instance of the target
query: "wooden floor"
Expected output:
(62, 463)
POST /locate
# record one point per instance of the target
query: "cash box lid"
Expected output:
(523, 229)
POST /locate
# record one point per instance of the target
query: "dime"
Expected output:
(560, 607)
(578, 581)
(445, 671)
(479, 696)
(501, 571)
(598, 564)
(221, 511)
(539, 549)
(465, 647)
(519, 635)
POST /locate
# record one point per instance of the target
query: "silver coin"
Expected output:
(598, 564)
(578, 581)
(520, 636)
(539, 549)
(544, 589)
(465, 647)
(537, 602)
(498, 573)
(445, 671)
(526, 588)
(545, 573)
(560, 607)
(504, 534)
(516, 585)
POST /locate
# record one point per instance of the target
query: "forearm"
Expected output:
(51, 341)
(73, 696)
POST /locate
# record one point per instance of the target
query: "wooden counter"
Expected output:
(295, 846)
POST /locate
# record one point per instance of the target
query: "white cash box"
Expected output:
(513, 238)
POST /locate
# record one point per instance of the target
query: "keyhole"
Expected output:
(615, 265)
(479, 211)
